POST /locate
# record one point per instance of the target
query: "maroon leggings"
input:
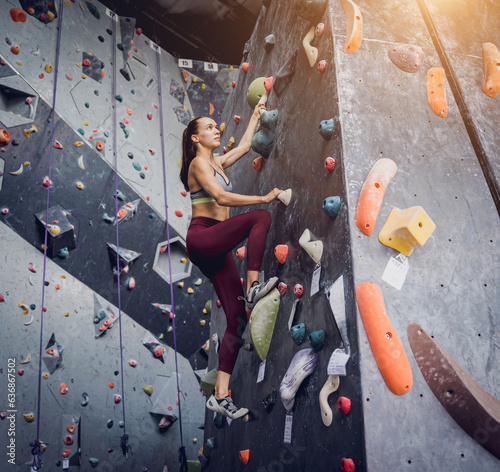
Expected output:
(209, 244)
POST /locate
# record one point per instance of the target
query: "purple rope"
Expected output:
(158, 70)
(124, 438)
(214, 90)
(37, 450)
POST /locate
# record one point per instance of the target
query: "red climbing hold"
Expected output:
(224, 149)
(233, 83)
(237, 118)
(15, 49)
(245, 66)
(131, 283)
(138, 31)
(2, 298)
(298, 290)
(344, 405)
(330, 164)
(184, 193)
(281, 253)
(150, 116)
(46, 182)
(347, 465)
(68, 440)
(86, 63)
(240, 253)
(20, 372)
(132, 363)
(118, 398)
(179, 213)
(245, 456)
(268, 84)
(257, 163)
(219, 304)
(322, 66)
(282, 288)
(57, 144)
(41, 76)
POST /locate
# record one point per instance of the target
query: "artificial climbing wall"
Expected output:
(449, 286)
(80, 274)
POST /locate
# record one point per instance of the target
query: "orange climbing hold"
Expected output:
(268, 84)
(245, 66)
(99, 145)
(4, 137)
(63, 388)
(281, 253)
(354, 26)
(245, 456)
(436, 91)
(186, 77)
(211, 111)
(386, 346)
(372, 193)
(122, 212)
(129, 112)
(257, 163)
(71, 428)
(18, 14)
(491, 60)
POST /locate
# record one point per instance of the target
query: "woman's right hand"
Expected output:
(271, 196)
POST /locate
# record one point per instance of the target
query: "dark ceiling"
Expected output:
(206, 30)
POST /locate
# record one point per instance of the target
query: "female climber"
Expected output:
(213, 234)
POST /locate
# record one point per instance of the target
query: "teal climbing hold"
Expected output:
(137, 166)
(119, 98)
(63, 252)
(126, 132)
(93, 9)
(326, 129)
(108, 219)
(317, 339)
(132, 91)
(81, 131)
(262, 321)
(331, 207)
(120, 46)
(210, 443)
(218, 421)
(32, 306)
(87, 105)
(101, 314)
(298, 333)
(263, 140)
(106, 133)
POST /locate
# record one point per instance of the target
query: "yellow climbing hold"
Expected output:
(19, 63)
(49, 68)
(78, 143)
(50, 16)
(184, 260)
(184, 107)
(27, 163)
(54, 229)
(67, 3)
(63, 276)
(29, 417)
(86, 123)
(148, 389)
(195, 79)
(203, 86)
(80, 186)
(45, 375)
(190, 290)
(66, 314)
(230, 67)
(180, 284)
(230, 143)
(202, 322)
(222, 127)
(83, 76)
(404, 230)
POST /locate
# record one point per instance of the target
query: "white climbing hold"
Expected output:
(331, 385)
(18, 171)
(80, 162)
(313, 248)
(285, 196)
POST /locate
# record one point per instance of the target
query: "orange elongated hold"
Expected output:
(491, 59)
(211, 111)
(372, 193)
(386, 346)
(354, 26)
(245, 456)
(281, 253)
(436, 91)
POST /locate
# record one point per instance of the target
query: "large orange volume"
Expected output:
(372, 193)
(386, 346)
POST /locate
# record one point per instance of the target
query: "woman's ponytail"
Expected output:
(188, 150)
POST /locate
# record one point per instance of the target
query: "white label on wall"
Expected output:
(111, 14)
(186, 63)
(396, 270)
(288, 428)
(315, 279)
(155, 47)
(262, 371)
(211, 66)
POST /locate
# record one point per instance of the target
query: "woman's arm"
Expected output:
(245, 143)
(203, 173)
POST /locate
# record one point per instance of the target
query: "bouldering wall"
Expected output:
(83, 298)
(449, 286)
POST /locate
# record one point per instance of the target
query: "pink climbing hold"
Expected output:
(282, 288)
(240, 253)
(46, 182)
(29, 100)
(344, 405)
(2, 298)
(20, 372)
(69, 76)
(219, 304)
(257, 163)
(150, 116)
(158, 352)
(131, 283)
(330, 164)
(224, 149)
(5, 211)
(31, 267)
(132, 363)
(347, 465)
(118, 398)
(86, 63)
(184, 193)
(237, 118)
(298, 290)
(320, 27)
(245, 66)
(179, 213)
(322, 66)
(152, 151)
(58, 145)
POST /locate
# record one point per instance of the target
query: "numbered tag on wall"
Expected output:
(112, 14)
(211, 67)
(315, 279)
(262, 371)
(396, 270)
(155, 47)
(288, 428)
(186, 63)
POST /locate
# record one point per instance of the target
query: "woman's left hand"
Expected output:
(259, 108)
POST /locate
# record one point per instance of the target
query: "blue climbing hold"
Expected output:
(63, 252)
(317, 339)
(326, 129)
(331, 207)
(298, 333)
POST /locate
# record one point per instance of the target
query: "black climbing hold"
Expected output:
(142, 175)
(122, 125)
(285, 74)
(109, 31)
(47, 283)
(15, 142)
(96, 93)
(8, 41)
(218, 421)
(311, 10)
(93, 10)
(130, 155)
(125, 74)
(270, 400)
(100, 38)
(109, 424)
(120, 46)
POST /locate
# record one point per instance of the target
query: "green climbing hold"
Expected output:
(108, 219)
(137, 166)
(127, 133)
(148, 389)
(132, 91)
(81, 131)
(101, 314)
(93, 9)
(207, 382)
(255, 91)
(262, 322)
(106, 133)
(194, 465)
(119, 98)
(317, 339)
(120, 46)
(32, 306)
(208, 307)
(178, 162)
(87, 105)
(63, 252)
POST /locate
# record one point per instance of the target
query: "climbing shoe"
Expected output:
(258, 291)
(226, 407)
